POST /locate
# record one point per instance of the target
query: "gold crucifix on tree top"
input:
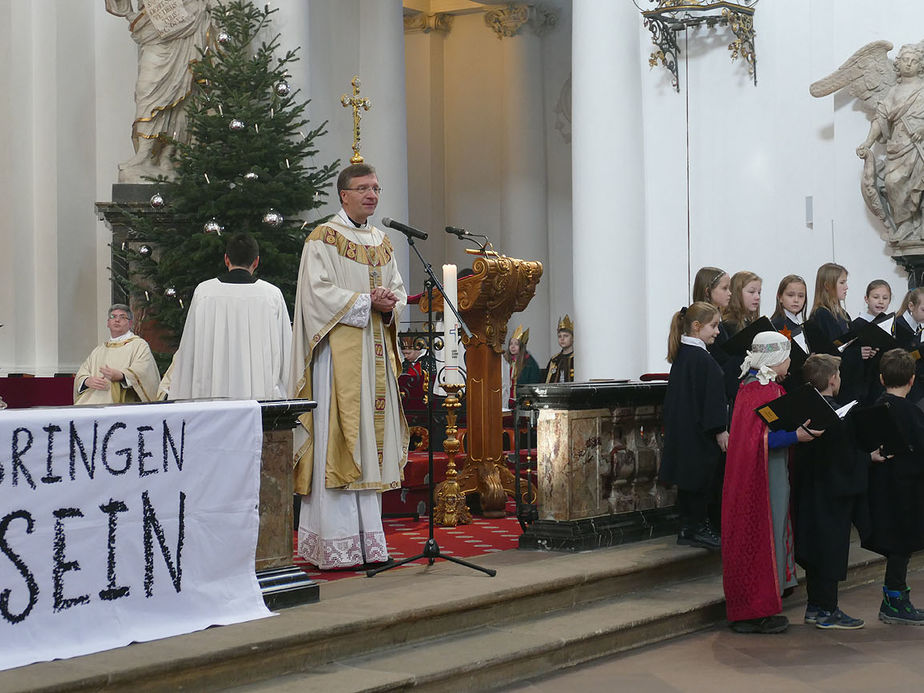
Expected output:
(356, 103)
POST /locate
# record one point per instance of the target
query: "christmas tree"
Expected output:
(246, 168)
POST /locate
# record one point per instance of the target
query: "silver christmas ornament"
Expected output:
(145, 251)
(272, 218)
(212, 226)
(157, 200)
(224, 38)
(250, 176)
(236, 125)
(283, 88)
(170, 292)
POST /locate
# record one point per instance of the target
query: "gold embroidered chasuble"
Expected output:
(133, 357)
(367, 438)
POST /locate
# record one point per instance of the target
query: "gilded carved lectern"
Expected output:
(499, 287)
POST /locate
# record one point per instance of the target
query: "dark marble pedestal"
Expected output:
(282, 583)
(598, 451)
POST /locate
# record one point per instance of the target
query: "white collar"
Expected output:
(793, 317)
(345, 220)
(122, 338)
(692, 341)
(866, 315)
(912, 323)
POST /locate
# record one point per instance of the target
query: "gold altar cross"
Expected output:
(356, 103)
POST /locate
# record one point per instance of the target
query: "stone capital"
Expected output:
(422, 23)
(513, 19)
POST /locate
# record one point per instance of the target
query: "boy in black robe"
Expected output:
(896, 492)
(828, 485)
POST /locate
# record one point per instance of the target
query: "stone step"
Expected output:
(498, 655)
(422, 607)
(502, 653)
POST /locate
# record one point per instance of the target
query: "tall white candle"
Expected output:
(451, 344)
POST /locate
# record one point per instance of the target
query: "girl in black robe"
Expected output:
(829, 321)
(788, 319)
(695, 420)
(907, 329)
(878, 297)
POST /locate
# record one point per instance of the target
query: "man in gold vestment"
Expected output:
(345, 356)
(121, 369)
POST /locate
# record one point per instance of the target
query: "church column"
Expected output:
(384, 128)
(524, 209)
(608, 191)
(30, 184)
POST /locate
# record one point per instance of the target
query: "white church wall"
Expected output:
(756, 153)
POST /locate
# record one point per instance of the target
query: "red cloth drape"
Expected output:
(749, 573)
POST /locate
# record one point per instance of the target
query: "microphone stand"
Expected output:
(431, 550)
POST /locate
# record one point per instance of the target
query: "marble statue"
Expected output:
(893, 95)
(170, 35)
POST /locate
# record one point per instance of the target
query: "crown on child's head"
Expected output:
(521, 335)
(565, 324)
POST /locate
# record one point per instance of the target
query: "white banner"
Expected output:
(121, 524)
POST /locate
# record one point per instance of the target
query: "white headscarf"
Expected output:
(767, 349)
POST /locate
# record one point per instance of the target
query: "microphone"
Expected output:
(408, 231)
(456, 231)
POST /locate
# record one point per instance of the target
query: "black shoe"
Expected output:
(836, 620)
(765, 626)
(897, 608)
(699, 537)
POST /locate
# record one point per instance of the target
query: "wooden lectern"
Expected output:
(499, 287)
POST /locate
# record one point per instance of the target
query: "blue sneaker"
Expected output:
(811, 613)
(837, 620)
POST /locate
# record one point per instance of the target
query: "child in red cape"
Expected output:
(757, 542)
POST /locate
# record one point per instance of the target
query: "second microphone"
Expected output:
(408, 231)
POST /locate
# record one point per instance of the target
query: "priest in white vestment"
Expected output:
(121, 369)
(345, 356)
(237, 338)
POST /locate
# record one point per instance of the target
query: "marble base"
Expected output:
(285, 587)
(598, 450)
(281, 582)
(598, 532)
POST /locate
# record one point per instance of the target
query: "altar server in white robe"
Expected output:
(345, 356)
(237, 339)
(121, 369)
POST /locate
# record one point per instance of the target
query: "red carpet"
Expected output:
(406, 538)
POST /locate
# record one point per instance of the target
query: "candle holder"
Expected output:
(450, 507)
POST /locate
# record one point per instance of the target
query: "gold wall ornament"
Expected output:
(422, 23)
(356, 102)
(672, 16)
(510, 20)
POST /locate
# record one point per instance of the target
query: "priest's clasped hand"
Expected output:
(107, 375)
(383, 300)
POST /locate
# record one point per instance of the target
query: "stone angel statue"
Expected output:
(893, 95)
(169, 34)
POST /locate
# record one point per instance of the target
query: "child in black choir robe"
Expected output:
(878, 297)
(713, 285)
(828, 484)
(896, 493)
(743, 309)
(789, 317)
(829, 319)
(907, 329)
(695, 418)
